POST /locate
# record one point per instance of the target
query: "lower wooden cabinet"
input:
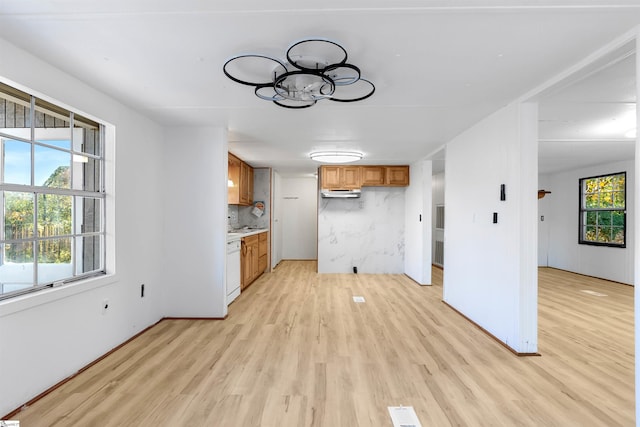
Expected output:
(253, 258)
(262, 252)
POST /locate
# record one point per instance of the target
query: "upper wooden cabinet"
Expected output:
(340, 177)
(349, 177)
(396, 176)
(372, 175)
(240, 191)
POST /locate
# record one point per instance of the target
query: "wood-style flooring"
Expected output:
(297, 351)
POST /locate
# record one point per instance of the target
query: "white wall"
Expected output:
(298, 202)
(195, 218)
(48, 336)
(543, 222)
(276, 229)
(564, 252)
(418, 211)
(367, 233)
(490, 269)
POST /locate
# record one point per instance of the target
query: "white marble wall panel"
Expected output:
(367, 233)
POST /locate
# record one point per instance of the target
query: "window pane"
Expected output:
(54, 260)
(618, 235)
(86, 136)
(54, 215)
(86, 173)
(617, 218)
(15, 112)
(19, 253)
(16, 272)
(619, 182)
(591, 218)
(88, 215)
(604, 218)
(606, 199)
(17, 162)
(604, 234)
(52, 122)
(618, 199)
(590, 186)
(591, 201)
(52, 168)
(88, 250)
(590, 233)
(18, 215)
(606, 183)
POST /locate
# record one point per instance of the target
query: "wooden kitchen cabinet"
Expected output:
(263, 239)
(253, 258)
(246, 184)
(340, 177)
(372, 175)
(350, 177)
(249, 260)
(396, 176)
(240, 190)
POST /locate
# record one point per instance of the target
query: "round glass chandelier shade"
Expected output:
(336, 156)
(314, 69)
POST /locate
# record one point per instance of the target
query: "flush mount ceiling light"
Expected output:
(335, 156)
(314, 69)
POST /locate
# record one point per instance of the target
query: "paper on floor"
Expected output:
(404, 416)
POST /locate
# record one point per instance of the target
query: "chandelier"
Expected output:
(314, 69)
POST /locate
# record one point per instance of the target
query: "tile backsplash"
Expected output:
(240, 216)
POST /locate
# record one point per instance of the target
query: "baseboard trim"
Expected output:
(194, 318)
(490, 334)
(81, 370)
(586, 275)
(90, 364)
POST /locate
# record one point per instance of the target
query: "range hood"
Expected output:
(343, 194)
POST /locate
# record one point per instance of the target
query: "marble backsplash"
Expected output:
(367, 233)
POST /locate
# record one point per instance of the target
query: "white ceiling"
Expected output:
(438, 66)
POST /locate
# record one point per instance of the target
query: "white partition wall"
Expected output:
(491, 268)
(636, 260)
(418, 211)
(195, 218)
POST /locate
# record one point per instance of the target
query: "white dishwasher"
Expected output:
(233, 270)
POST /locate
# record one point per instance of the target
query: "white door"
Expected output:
(299, 212)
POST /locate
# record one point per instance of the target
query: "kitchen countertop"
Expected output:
(239, 234)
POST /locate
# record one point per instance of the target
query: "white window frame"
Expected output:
(75, 234)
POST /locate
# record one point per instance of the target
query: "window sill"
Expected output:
(46, 296)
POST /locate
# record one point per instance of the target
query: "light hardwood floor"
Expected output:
(297, 351)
